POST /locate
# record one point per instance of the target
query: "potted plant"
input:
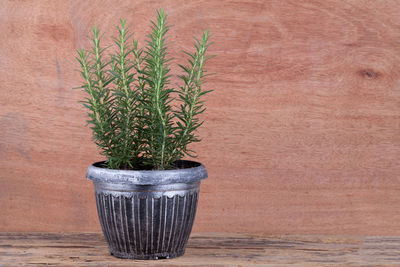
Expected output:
(146, 195)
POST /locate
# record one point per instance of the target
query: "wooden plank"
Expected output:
(212, 249)
(302, 131)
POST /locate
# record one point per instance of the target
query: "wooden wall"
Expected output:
(302, 133)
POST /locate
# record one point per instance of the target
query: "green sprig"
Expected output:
(130, 100)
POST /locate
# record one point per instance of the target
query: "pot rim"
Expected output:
(148, 177)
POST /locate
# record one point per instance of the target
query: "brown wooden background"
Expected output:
(302, 133)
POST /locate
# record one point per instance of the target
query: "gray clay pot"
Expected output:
(147, 214)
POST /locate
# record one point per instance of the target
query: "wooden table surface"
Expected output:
(211, 249)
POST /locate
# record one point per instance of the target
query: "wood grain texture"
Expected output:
(211, 249)
(302, 132)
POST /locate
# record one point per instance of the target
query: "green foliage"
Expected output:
(136, 120)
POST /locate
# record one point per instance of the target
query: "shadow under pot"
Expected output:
(147, 214)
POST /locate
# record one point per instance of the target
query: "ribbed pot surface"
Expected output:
(147, 221)
(151, 227)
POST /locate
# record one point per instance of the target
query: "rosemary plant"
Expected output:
(138, 120)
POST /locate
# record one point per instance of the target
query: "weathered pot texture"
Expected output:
(147, 214)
